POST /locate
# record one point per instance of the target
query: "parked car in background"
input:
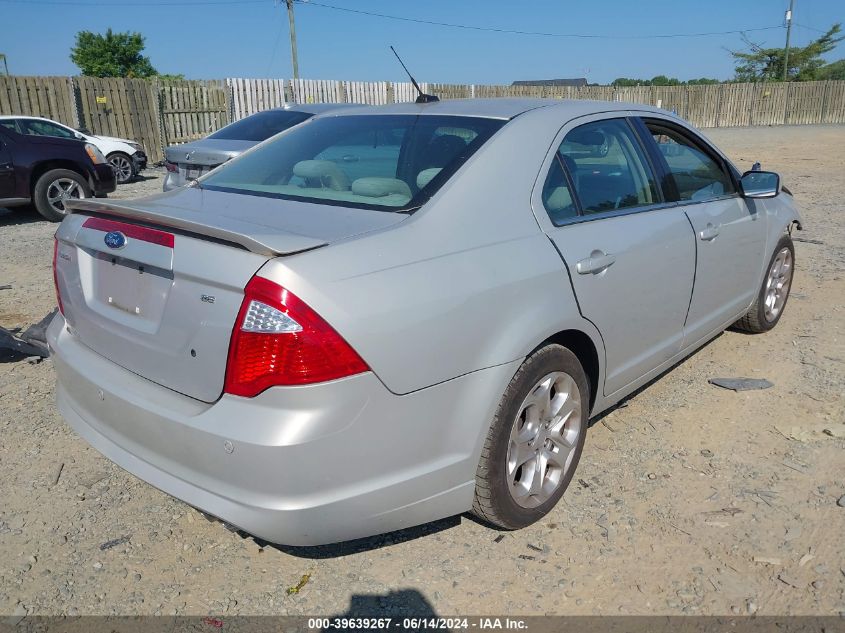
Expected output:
(189, 161)
(47, 171)
(391, 315)
(127, 157)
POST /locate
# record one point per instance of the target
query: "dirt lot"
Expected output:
(689, 499)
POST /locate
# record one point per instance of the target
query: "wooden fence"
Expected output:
(160, 113)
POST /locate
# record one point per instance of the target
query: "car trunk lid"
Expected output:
(156, 288)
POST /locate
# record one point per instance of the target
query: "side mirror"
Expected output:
(760, 184)
(82, 130)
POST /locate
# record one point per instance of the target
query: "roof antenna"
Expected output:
(423, 98)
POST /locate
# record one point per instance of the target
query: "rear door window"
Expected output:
(607, 167)
(34, 127)
(697, 174)
(10, 124)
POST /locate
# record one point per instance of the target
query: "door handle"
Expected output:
(709, 232)
(597, 262)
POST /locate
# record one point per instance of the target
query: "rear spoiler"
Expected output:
(253, 237)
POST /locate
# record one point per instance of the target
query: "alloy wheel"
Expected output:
(122, 168)
(543, 439)
(63, 189)
(777, 284)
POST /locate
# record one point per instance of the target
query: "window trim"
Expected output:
(580, 216)
(699, 143)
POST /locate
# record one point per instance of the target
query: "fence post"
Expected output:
(719, 104)
(158, 114)
(786, 104)
(230, 100)
(74, 103)
(752, 102)
(825, 97)
(391, 95)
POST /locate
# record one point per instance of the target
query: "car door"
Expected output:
(630, 256)
(7, 170)
(730, 236)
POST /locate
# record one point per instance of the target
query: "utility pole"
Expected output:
(5, 64)
(293, 55)
(788, 33)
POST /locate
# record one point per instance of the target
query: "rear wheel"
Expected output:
(124, 170)
(535, 440)
(54, 188)
(771, 299)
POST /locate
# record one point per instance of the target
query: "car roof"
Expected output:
(4, 117)
(505, 108)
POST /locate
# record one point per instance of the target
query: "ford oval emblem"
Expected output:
(115, 239)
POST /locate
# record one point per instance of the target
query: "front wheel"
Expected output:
(771, 299)
(124, 170)
(535, 440)
(56, 187)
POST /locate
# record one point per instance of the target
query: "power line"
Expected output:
(310, 3)
(119, 5)
(810, 28)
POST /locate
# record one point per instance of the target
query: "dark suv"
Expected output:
(45, 171)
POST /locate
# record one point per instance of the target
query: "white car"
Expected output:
(126, 157)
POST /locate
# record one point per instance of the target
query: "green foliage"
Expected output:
(766, 64)
(835, 70)
(661, 80)
(169, 77)
(111, 55)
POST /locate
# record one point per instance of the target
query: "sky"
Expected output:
(212, 39)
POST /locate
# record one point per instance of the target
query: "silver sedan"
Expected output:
(386, 316)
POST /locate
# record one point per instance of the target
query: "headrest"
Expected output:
(326, 172)
(426, 176)
(559, 200)
(585, 137)
(373, 187)
(442, 150)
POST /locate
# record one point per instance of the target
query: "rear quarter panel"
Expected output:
(468, 282)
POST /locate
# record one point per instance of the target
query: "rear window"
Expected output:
(383, 162)
(261, 126)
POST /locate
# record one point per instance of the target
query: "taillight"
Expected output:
(278, 340)
(171, 167)
(56, 276)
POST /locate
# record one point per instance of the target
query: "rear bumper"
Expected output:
(299, 465)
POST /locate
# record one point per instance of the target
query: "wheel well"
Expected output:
(582, 346)
(42, 168)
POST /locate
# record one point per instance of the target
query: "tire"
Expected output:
(124, 168)
(46, 197)
(503, 487)
(771, 299)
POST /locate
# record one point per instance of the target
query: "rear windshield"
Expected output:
(384, 162)
(261, 126)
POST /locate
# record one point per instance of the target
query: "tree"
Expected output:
(111, 55)
(835, 70)
(766, 64)
(661, 80)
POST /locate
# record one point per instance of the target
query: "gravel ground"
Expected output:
(689, 499)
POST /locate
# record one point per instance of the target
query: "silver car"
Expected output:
(189, 161)
(392, 315)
